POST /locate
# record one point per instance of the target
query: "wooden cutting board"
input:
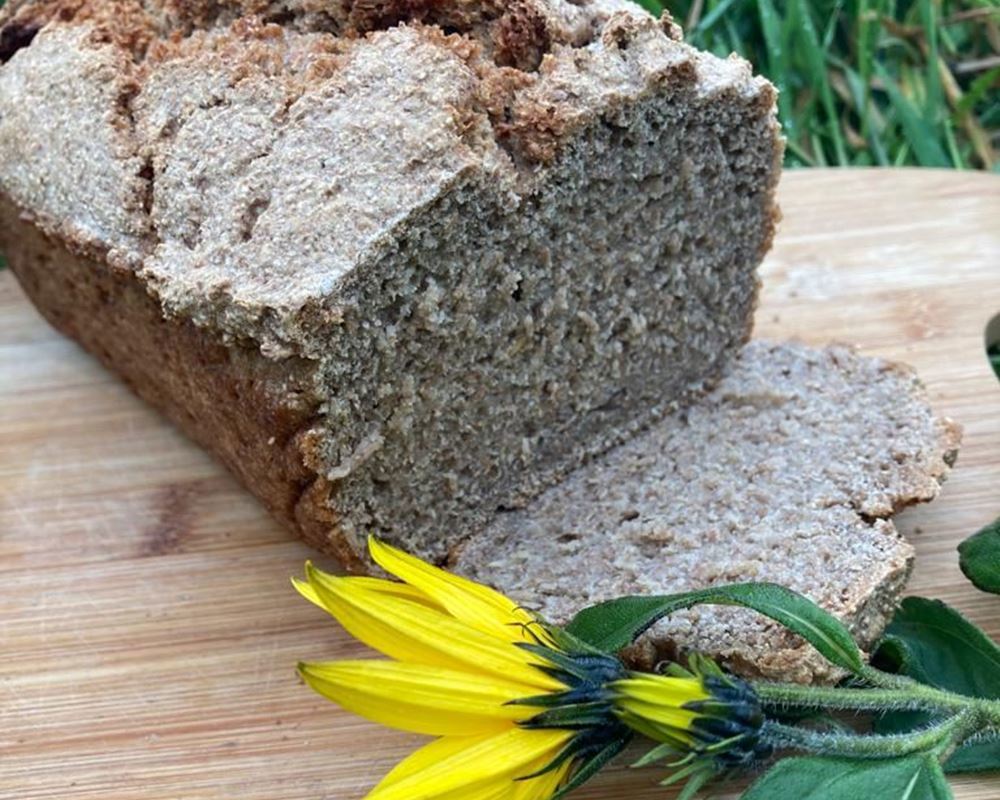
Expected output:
(148, 632)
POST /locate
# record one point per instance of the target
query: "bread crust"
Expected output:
(255, 414)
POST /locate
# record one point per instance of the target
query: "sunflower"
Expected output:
(520, 710)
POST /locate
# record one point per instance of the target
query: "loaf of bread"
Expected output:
(398, 263)
(420, 269)
(790, 471)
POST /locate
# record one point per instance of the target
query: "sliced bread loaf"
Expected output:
(397, 264)
(789, 471)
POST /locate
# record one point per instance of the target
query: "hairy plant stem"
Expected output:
(937, 738)
(963, 716)
(908, 695)
(848, 699)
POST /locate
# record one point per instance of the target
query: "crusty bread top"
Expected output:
(788, 471)
(246, 157)
(516, 33)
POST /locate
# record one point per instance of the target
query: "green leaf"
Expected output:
(979, 557)
(916, 777)
(615, 624)
(975, 756)
(931, 25)
(902, 721)
(993, 351)
(936, 645)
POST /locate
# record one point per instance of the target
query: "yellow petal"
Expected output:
(394, 588)
(438, 750)
(662, 689)
(654, 705)
(506, 787)
(681, 739)
(411, 632)
(544, 786)
(477, 770)
(418, 698)
(501, 787)
(662, 715)
(430, 754)
(474, 604)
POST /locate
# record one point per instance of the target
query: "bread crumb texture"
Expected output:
(788, 471)
(491, 239)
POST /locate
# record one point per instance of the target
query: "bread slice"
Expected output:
(397, 264)
(789, 471)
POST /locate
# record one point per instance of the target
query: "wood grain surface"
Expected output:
(148, 631)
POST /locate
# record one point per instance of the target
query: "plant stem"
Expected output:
(963, 716)
(951, 730)
(875, 699)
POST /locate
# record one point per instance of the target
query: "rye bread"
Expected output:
(397, 264)
(789, 470)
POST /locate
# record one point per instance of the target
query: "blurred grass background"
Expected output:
(867, 82)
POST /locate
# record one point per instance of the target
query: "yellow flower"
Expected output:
(520, 710)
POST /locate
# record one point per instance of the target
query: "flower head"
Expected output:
(521, 710)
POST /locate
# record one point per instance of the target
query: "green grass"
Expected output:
(867, 82)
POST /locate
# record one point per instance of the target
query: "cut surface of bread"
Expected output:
(788, 471)
(397, 264)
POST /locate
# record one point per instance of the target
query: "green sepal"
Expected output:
(696, 782)
(571, 717)
(558, 699)
(914, 777)
(979, 558)
(698, 666)
(582, 666)
(658, 753)
(656, 733)
(680, 774)
(589, 768)
(675, 669)
(615, 624)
